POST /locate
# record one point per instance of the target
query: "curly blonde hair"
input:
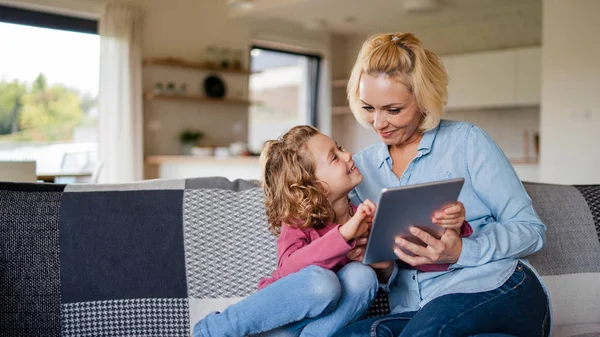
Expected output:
(401, 56)
(293, 194)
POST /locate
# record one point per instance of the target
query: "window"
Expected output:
(286, 85)
(48, 92)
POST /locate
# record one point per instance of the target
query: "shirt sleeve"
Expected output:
(516, 230)
(296, 251)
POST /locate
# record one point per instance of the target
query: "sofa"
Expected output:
(152, 258)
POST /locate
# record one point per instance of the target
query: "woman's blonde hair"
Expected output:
(401, 56)
(293, 194)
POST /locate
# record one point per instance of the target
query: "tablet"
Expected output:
(402, 207)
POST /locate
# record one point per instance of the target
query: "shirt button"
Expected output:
(414, 277)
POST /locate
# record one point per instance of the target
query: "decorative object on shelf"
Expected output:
(189, 139)
(225, 58)
(201, 66)
(211, 58)
(214, 86)
(170, 88)
(203, 151)
(222, 152)
(158, 88)
(182, 91)
(238, 149)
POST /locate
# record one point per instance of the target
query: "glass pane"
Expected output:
(48, 98)
(280, 81)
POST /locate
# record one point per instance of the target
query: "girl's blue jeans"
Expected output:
(517, 308)
(311, 302)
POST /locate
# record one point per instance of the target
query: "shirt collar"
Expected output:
(383, 152)
(427, 141)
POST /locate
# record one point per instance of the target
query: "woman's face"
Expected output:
(390, 108)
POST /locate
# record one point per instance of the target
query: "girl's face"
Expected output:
(333, 166)
(390, 108)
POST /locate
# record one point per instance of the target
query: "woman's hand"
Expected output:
(445, 250)
(360, 222)
(451, 217)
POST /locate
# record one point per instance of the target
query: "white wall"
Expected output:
(570, 109)
(350, 134)
(510, 128)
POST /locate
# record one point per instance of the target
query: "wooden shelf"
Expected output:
(149, 96)
(341, 110)
(177, 63)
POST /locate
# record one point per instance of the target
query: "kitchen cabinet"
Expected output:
(493, 79)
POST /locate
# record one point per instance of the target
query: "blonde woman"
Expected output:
(483, 286)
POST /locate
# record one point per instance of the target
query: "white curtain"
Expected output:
(120, 118)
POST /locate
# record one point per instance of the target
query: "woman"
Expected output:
(483, 286)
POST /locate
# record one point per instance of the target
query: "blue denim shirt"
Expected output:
(505, 226)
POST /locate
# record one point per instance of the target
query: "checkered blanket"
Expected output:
(152, 258)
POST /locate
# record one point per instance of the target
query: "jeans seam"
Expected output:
(373, 332)
(484, 302)
(545, 321)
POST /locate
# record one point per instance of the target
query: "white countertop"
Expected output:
(173, 159)
(175, 167)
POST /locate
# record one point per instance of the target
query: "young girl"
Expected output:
(315, 291)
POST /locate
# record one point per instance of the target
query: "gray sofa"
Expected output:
(151, 258)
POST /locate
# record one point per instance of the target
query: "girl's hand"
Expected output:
(451, 217)
(360, 222)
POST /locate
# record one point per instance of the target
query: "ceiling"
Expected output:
(358, 17)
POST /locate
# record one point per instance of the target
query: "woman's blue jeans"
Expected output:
(311, 302)
(517, 308)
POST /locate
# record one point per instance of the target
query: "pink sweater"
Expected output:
(298, 248)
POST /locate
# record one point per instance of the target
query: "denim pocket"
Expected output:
(517, 279)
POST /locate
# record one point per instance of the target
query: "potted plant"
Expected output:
(189, 139)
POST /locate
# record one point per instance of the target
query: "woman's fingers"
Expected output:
(411, 247)
(424, 236)
(449, 221)
(411, 260)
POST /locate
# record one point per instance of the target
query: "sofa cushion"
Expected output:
(122, 264)
(228, 247)
(570, 262)
(29, 259)
(582, 330)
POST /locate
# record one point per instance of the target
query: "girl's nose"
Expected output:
(347, 156)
